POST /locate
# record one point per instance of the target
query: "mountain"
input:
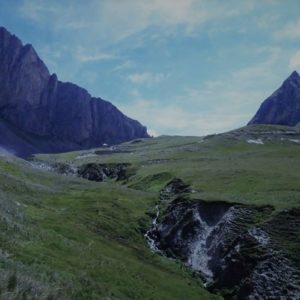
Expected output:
(39, 113)
(283, 106)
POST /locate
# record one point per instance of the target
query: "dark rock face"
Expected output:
(229, 246)
(283, 106)
(99, 172)
(90, 171)
(63, 115)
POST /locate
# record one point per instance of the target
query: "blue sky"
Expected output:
(186, 67)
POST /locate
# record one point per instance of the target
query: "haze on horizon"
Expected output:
(185, 67)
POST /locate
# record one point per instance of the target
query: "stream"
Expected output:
(150, 235)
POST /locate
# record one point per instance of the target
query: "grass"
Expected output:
(221, 167)
(68, 238)
(238, 171)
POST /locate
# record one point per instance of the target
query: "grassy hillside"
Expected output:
(68, 238)
(227, 167)
(63, 237)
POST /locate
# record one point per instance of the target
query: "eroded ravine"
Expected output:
(228, 245)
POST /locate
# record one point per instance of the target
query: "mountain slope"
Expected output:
(38, 104)
(283, 106)
(68, 238)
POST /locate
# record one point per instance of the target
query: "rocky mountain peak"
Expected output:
(4, 33)
(283, 106)
(7, 39)
(38, 113)
(293, 80)
(294, 74)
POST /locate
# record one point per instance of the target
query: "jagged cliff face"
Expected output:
(63, 115)
(283, 106)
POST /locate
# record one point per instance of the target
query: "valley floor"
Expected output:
(64, 237)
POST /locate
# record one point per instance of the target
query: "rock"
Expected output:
(224, 245)
(99, 172)
(283, 106)
(43, 114)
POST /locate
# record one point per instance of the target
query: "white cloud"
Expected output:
(152, 132)
(146, 78)
(84, 55)
(130, 17)
(38, 10)
(268, 21)
(213, 106)
(127, 64)
(127, 16)
(263, 70)
(294, 62)
(175, 119)
(113, 20)
(188, 113)
(95, 57)
(289, 31)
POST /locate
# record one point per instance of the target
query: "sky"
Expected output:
(180, 67)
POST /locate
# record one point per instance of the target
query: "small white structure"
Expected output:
(258, 142)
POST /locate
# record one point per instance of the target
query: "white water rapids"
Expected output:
(150, 235)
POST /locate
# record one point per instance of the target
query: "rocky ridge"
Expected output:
(283, 106)
(39, 113)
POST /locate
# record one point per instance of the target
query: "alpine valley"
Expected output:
(172, 217)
